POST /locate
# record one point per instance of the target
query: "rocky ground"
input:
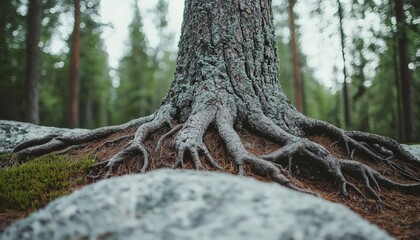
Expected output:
(180, 204)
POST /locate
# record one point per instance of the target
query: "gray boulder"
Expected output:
(13, 133)
(413, 149)
(180, 204)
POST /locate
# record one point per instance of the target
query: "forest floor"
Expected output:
(399, 216)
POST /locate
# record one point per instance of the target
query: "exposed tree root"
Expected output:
(52, 143)
(188, 144)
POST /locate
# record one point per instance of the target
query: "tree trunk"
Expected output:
(347, 118)
(405, 74)
(296, 65)
(227, 78)
(74, 68)
(32, 73)
(400, 117)
(230, 63)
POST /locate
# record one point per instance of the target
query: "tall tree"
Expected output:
(13, 26)
(32, 73)
(360, 105)
(164, 55)
(347, 118)
(227, 78)
(296, 64)
(74, 68)
(405, 74)
(318, 99)
(136, 90)
(95, 82)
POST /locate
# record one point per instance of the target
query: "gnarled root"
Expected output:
(340, 168)
(190, 138)
(188, 144)
(54, 143)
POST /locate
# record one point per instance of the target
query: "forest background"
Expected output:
(375, 62)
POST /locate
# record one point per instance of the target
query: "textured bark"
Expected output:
(32, 72)
(227, 58)
(74, 68)
(227, 77)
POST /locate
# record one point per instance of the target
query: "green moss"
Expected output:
(5, 156)
(33, 184)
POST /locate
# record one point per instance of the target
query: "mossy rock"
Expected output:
(33, 184)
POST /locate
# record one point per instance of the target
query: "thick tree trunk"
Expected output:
(32, 73)
(405, 74)
(230, 63)
(74, 68)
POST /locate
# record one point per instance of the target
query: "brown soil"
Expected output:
(400, 213)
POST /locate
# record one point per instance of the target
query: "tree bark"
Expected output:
(405, 74)
(231, 61)
(32, 73)
(296, 66)
(74, 68)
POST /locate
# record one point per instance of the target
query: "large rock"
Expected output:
(175, 204)
(413, 149)
(12, 133)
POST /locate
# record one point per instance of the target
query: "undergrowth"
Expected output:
(32, 185)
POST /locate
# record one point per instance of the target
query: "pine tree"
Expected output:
(134, 95)
(95, 82)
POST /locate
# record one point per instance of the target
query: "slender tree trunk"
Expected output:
(347, 117)
(74, 68)
(296, 65)
(400, 117)
(405, 74)
(32, 73)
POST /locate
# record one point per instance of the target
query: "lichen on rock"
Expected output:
(180, 204)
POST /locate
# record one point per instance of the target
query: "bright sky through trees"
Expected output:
(322, 49)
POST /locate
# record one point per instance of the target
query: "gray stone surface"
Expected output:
(12, 133)
(413, 149)
(176, 204)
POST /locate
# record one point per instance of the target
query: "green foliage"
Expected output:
(12, 60)
(134, 95)
(33, 184)
(5, 156)
(372, 61)
(95, 82)
(318, 101)
(52, 91)
(145, 73)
